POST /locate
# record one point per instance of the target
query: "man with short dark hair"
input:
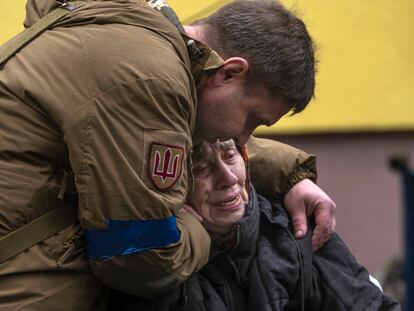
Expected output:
(99, 114)
(274, 41)
(268, 49)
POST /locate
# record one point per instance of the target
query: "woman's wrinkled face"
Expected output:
(219, 193)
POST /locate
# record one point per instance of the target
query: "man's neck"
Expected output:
(196, 32)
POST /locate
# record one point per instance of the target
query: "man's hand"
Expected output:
(304, 199)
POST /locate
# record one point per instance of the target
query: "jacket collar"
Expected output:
(274, 213)
(204, 61)
(242, 238)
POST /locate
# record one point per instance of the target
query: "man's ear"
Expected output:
(234, 69)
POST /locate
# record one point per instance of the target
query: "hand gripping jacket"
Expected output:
(109, 93)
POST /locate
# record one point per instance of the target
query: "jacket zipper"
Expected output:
(70, 247)
(236, 271)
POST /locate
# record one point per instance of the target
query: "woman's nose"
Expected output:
(226, 178)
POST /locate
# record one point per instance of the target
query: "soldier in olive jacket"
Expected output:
(99, 113)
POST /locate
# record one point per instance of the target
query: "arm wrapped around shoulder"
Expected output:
(153, 272)
(276, 167)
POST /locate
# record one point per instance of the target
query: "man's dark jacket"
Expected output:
(269, 270)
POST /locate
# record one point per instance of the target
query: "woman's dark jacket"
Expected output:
(269, 270)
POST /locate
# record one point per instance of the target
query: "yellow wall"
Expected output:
(11, 18)
(365, 79)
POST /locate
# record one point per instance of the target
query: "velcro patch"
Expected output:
(165, 165)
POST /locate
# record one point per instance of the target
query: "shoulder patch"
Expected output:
(165, 165)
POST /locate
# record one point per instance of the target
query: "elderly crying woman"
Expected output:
(255, 262)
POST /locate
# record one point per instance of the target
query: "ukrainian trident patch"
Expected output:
(165, 165)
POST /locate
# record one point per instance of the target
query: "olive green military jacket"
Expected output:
(99, 112)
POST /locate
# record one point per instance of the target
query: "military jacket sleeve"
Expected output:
(128, 144)
(275, 167)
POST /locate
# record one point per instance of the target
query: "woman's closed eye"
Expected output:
(202, 168)
(230, 155)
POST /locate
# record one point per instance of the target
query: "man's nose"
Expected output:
(226, 177)
(243, 137)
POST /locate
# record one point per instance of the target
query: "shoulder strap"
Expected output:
(58, 219)
(163, 7)
(15, 44)
(38, 230)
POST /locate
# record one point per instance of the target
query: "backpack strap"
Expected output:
(58, 219)
(37, 230)
(15, 44)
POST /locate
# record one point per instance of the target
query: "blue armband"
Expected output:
(123, 237)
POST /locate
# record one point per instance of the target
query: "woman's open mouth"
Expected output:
(230, 204)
